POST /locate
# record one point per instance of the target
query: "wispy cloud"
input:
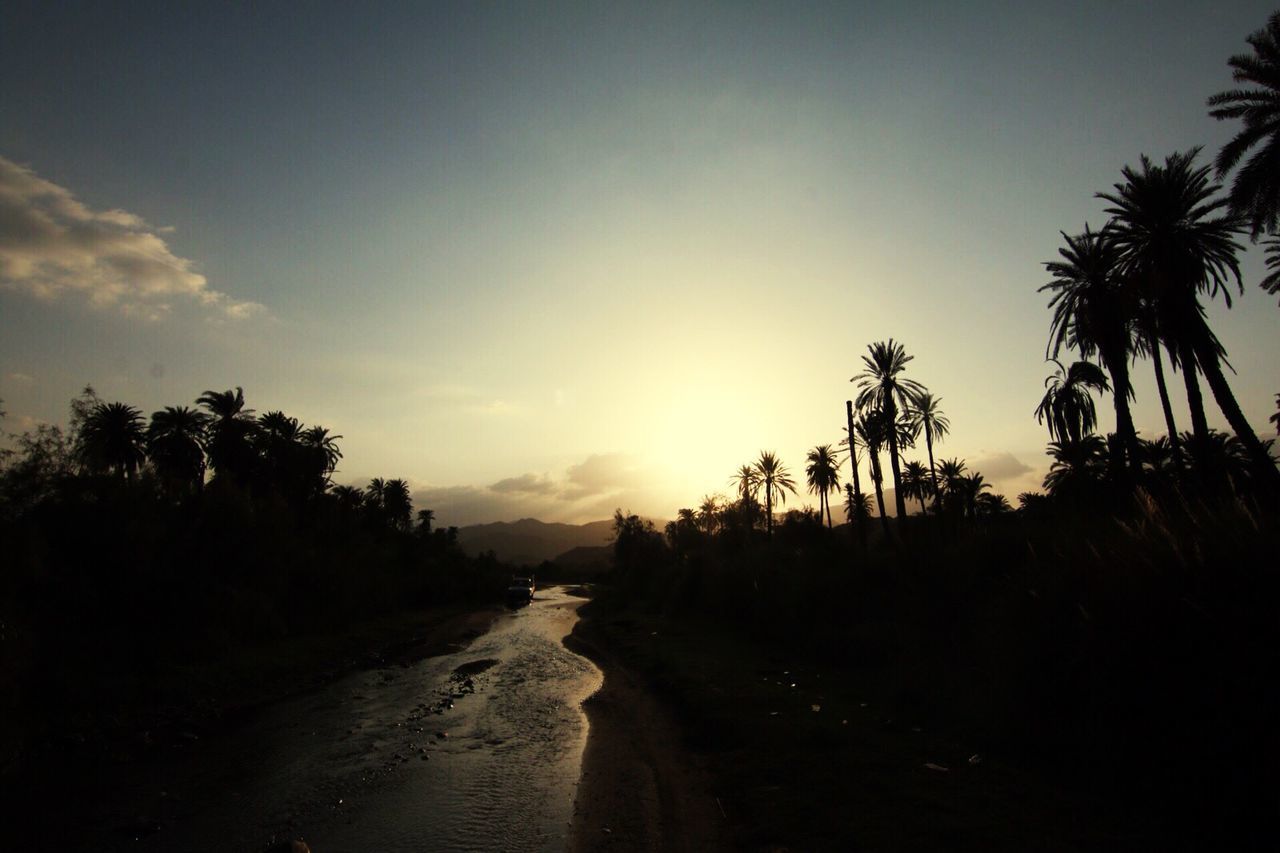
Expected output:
(588, 491)
(53, 246)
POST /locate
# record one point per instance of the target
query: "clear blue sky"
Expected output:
(548, 259)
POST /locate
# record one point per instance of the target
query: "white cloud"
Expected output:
(52, 246)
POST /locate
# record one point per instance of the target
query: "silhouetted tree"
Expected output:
(951, 471)
(823, 476)
(1077, 468)
(709, 514)
(917, 483)
(175, 444)
(882, 387)
(425, 518)
(1171, 240)
(397, 507)
(1067, 406)
(857, 507)
(1094, 313)
(870, 428)
(1255, 192)
(775, 481)
(229, 445)
(929, 420)
(113, 439)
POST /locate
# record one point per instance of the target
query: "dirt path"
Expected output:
(640, 790)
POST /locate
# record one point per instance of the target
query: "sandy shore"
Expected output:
(640, 790)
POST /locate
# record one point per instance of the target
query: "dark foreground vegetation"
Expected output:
(144, 562)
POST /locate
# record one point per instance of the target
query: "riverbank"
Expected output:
(796, 755)
(640, 790)
(201, 701)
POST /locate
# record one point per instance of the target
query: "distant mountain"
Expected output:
(531, 541)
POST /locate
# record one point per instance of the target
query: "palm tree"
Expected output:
(112, 439)
(971, 488)
(870, 428)
(775, 480)
(397, 506)
(930, 420)
(857, 506)
(1094, 313)
(851, 442)
(1077, 468)
(175, 443)
(709, 514)
(425, 519)
(823, 476)
(1175, 247)
(952, 471)
(1066, 405)
(230, 453)
(988, 504)
(916, 482)
(881, 387)
(324, 452)
(349, 498)
(747, 481)
(1255, 192)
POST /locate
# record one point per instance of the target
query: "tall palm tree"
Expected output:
(882, 387)
(1255, 192)
(230, 431)
(323, 451)
(823, 473)
(175, 443)
(425, 519)
(1177, 243)
(1095, 314)
(775, 481)
(112, 439)
(1067, 405)
(952, 472)
(397, 506)
(747, 481)
(916, 482)
(971, 488)
(851, 442)
(870, 428)
(929, 419)
(709, 514)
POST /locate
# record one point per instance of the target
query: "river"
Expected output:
(480, 749)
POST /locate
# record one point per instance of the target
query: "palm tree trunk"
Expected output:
(933, 472)
(1226, 400)
(877, 477)
(826, 498)
(1158, 362)
(1199, 426)
(853, 464)
(1119, 369)
(891, 422)
(768, 508)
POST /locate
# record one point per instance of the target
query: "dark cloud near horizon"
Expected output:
(526, 483)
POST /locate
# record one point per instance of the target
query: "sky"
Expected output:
(555, 259)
